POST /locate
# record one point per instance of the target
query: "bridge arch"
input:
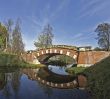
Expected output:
(57, 51)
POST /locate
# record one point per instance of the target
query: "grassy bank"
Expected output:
(75, 70)
(12, 60)
(99, 79)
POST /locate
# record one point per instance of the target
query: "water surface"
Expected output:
(20, 84)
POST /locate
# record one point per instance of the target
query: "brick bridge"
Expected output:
(82, 56)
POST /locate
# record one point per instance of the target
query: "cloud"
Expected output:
(59, 8)
(46, 16)
(88, 5)
(93, 8)
(79, 35)
(85, 40)
(83, 37)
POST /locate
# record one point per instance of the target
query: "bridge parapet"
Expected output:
(59, 46)
(88, 58)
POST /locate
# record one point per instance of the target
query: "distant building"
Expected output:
(85, 48)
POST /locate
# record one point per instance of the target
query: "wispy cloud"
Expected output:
(77, 36)
(93, 7)
(59, 8)
(46, 15)
(88, 4)
(83, 37)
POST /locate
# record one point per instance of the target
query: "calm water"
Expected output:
(58, 69)
(21, 84)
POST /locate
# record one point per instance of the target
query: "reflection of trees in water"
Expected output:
(12, 83)
(2, 81)
(40, 72)
(6, 91)
(16, 81)
(3, 85)
(61, 67)
(47, 90)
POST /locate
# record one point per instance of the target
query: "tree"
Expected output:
(8, 25)
(103, 33)
(3, 37)
(17, 43)
(45, 38)
(97, 49)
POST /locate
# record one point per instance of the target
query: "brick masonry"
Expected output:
(83, 58)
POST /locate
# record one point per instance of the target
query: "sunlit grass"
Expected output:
(75, 70)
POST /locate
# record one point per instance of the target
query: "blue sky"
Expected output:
(73, 21)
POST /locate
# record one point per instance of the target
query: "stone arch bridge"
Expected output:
(84, 58)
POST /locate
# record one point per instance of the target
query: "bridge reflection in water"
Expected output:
(49, 78)
(28, 84)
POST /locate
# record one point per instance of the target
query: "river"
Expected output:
(22, 84)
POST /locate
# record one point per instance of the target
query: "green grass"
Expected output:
(75, 70)
(12, 60)
(99, 79)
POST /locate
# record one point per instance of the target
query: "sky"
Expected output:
(73, 21)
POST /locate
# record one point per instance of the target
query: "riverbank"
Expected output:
(99, 79)
(75, 70)
(98, 82)
(12, 60)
